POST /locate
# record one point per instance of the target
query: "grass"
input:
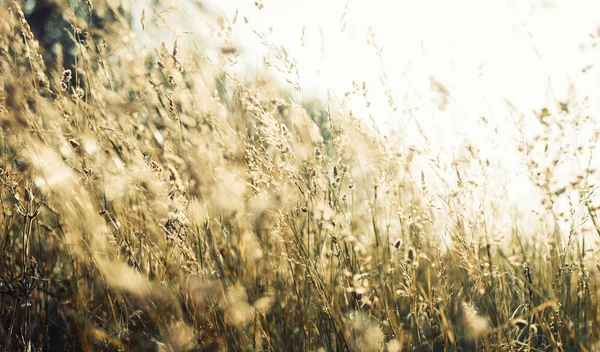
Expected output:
(155, 201)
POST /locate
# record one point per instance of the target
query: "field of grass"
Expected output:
(153, 201)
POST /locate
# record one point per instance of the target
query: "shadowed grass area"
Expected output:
(155, 201)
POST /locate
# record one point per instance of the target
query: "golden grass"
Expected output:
(153, 201)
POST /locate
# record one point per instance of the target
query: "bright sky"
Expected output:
(482, 52)
(478, 49)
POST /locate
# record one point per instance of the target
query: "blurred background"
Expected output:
(440, 76)
(461, 73)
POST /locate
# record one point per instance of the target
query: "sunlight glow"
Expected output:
(494, 60)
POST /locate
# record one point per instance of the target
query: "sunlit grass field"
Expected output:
(151, 200)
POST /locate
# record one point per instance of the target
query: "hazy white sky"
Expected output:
(481, 49)
(484, 53)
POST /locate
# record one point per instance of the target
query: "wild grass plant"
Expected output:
(153, 200)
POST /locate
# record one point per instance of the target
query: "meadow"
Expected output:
(153, 200)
